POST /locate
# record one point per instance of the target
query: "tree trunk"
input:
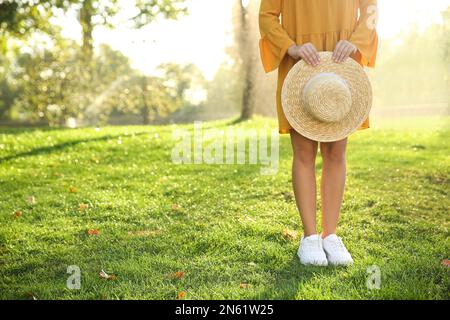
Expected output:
(145, 115)
(145, 110)
(86, 13)
(247, 102)
(247, 65)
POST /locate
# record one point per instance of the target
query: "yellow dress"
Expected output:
(321, 22)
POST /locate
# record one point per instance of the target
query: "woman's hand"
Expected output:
(344, 49)
(306, 52)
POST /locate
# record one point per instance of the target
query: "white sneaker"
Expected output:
(336, 251)
(311, 251)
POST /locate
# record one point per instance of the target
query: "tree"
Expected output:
(50, 86)
(245, 52)
(155, 98)
(93, 13)
(22, 17)
(446, 32)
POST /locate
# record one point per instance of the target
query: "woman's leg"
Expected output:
(332, 184)
(304, 180)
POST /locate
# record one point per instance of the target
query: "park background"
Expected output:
(90, 93)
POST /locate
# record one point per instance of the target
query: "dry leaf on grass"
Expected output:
(93, 232)
(176, 208)
(31, 200)
(72, 190)
(177, 275)
(290, 234)
(181, 295)
(17, 214)
(244, 285)
(445, 263)
(83, 207)
(247, 218)
(288, 196)
(103, 275)
(30, 296)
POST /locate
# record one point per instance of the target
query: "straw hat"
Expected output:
(328, 102)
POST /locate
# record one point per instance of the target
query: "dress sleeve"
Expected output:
(365, 37)
(274, 41)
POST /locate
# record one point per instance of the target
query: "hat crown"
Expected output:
(327, 97)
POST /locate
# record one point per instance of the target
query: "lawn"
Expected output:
(215, 231)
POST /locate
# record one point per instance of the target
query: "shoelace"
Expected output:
(338, 244)
(315, 244)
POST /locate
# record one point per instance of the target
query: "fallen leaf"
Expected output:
(30, 296)
(177, 275)
(290, 234)
(93, 232)
(244, 285)
(31, 200)
(249, 219)
(445, 263)
(103, 275)
(83, 206)
(72, 190)
(17, 214)
(181, 295)
(176, 208)
(288, 196)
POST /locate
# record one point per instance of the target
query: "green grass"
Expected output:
(222, 225)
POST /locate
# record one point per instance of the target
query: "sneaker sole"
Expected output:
(313, 263)
(343, 264)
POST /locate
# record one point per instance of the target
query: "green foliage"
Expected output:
(149, 10)
(55, 86)
(66, 81)
(21, 17)
(225, 91)
(413, 69)
(222, 225)
(446, 32)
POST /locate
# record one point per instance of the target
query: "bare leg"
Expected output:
(332, 184)
(304, 180)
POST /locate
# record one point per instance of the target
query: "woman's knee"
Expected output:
(305, 150)
(305, 157)
(305, 154)
(333, 152)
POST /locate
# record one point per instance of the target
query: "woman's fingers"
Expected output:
(309, 53)
(343, 51)
(305, 55)
(338, 51)
(342, 55)
(314, 54)
(348, 53)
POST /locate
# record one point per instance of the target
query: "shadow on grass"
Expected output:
(287, 281)
(60, 147)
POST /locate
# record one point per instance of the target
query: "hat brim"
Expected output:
(307, 125)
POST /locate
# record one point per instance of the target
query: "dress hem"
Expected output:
(288, 131)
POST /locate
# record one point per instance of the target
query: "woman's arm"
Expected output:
(275, 41)
(365, 36)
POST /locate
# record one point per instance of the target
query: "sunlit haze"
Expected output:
(201, 36)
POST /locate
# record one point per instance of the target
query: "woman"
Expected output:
(346, 27)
